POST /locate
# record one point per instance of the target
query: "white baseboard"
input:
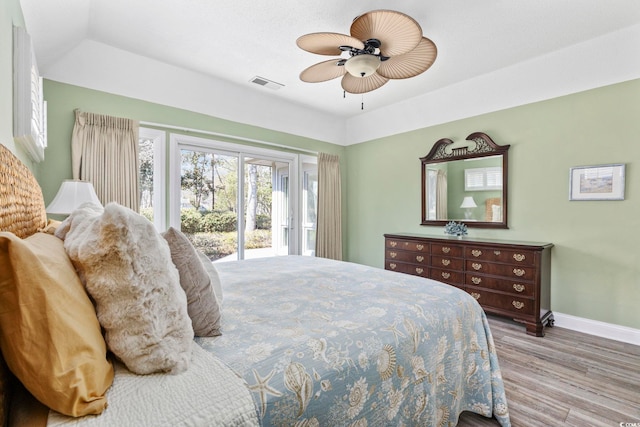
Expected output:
(595, 327)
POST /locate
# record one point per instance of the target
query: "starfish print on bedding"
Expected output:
(263, 388)
(394, 329)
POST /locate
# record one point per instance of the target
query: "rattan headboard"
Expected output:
(22, 209)
(22, 212)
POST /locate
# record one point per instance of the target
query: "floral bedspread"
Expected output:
(328, 343)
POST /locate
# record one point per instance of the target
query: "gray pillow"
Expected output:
(213, 275)
(202, 304)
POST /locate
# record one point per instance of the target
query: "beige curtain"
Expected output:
(104, 151)
(329, 225)
(441, 195)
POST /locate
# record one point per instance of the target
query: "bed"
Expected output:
(305, 341)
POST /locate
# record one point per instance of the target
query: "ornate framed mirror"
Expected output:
(465, 182)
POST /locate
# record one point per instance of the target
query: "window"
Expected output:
(482, 179)
(432, 188)
(209, 182)
(309, 203)
(236, 202)
(151, 176)
(29, 106)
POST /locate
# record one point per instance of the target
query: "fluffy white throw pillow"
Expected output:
(126, 267)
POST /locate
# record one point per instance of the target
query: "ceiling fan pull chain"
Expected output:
(344, 93)
(362, 102)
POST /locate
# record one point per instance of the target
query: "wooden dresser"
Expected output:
(507, 278)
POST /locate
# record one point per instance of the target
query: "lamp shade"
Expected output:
(72, 193)
(362, 65)
(468, 202)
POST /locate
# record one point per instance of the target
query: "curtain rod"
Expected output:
(223, 135)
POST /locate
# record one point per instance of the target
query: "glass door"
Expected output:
(209, 201)
(233, 205)
(266, 207)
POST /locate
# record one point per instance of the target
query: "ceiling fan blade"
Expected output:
(410, 64)
(362, 84)
(397, 32)
(323, 71)
(327, 43)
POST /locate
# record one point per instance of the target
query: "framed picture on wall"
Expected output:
(599, 182)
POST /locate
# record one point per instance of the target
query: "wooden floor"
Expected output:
(566, 378)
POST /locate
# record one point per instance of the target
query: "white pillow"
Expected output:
(496, 213)
(126, 267)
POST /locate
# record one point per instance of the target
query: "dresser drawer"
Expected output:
(513, 304)
(446, 249)
(448, 263)
(407, 245)
(401, 267)
(504, 270)
(515, 287)
(447, 276)
(405, 256)
(500, 255)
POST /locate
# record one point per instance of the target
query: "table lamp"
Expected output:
(72, 193)
(468, 204)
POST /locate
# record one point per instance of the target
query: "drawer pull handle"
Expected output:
(446, 249)
(476, 253)
(420, 247)
(517, 304)
(419, 270)
(496, 253)
(518, 287)
(476, 295)
(393, 266)
(419, 258)
(519, 257)
(393, 244)
(518, 272)
(445, 275)
(393, 254)
(446, 262)
(476, 266)
(476, 280)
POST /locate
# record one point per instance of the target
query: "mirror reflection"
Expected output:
(468, 190)
(465, 184)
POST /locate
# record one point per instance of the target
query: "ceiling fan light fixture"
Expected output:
(382, 45)
(362, 65)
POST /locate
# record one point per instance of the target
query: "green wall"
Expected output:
(596, 260)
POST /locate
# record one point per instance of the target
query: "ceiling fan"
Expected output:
(383, 45)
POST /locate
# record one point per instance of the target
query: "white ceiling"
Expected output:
(231, 41)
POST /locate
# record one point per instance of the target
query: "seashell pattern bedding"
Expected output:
(328, 343)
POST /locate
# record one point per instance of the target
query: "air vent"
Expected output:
(266, 83)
